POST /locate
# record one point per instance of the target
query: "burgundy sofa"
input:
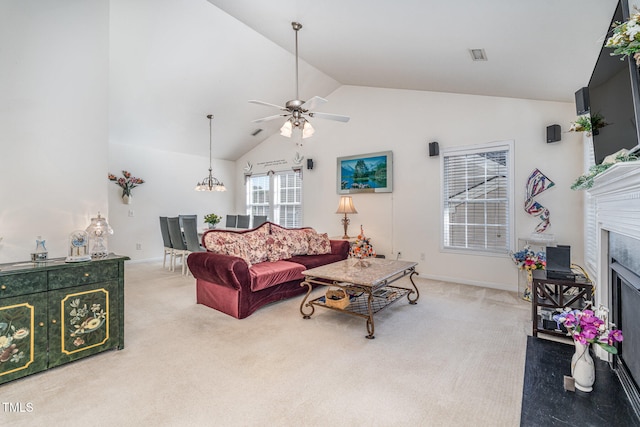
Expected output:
(242, 271)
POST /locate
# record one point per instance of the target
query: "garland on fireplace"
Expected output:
(584, 182)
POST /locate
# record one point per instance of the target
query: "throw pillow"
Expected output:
(256, 241)
(279, 247)
(286, 243)
(319, 244)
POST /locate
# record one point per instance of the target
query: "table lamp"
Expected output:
(346, 207)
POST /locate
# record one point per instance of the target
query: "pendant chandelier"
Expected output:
(210, 183)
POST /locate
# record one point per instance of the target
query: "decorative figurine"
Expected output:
(98, 232)
(78, 247)
(40, 255)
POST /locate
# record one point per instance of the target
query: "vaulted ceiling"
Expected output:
(543, 49)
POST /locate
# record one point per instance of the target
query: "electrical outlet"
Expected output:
(422, 257)
(138, 246)
(131, 213)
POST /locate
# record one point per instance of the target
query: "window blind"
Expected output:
(476, 200)
(277, 195)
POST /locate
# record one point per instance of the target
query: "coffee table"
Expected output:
(368, 287)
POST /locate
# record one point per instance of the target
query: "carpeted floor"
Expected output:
(455, 359)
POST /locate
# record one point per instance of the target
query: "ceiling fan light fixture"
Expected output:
(307, 130)
(286, 129)
(296, 110)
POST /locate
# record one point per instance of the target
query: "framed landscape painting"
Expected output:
(365, 173)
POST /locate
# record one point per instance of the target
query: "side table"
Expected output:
(554, 294)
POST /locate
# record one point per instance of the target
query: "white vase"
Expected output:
(582, 368)
(127, 199)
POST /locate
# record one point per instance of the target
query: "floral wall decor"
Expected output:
(128, 183)
(536, 184)
(626, 38)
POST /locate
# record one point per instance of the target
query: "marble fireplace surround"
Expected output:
(616, 194)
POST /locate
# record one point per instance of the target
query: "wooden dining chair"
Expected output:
(177, 240)
(190, 231)
(166, 239)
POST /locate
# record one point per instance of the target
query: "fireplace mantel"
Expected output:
(617, 198)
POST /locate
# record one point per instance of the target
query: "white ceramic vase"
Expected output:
(582, 368)
(127, 199)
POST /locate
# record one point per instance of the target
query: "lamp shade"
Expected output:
(307, 130)
(346, 206)
(286, 129)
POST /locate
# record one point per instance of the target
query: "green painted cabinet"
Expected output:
(57, 312)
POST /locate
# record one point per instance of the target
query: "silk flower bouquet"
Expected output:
(527, 259)
(587, 327)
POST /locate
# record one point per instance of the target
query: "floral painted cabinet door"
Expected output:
(83, 321)
(23, 336)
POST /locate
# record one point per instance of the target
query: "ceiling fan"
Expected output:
(297, 111)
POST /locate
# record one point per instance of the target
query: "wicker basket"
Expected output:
(336, 298)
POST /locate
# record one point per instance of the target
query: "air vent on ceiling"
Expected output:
(478, 54)
(255, 132)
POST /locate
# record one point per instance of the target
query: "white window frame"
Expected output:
(507, 146)
(274, 201)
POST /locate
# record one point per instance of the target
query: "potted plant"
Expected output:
(212, 219)
(588, 124)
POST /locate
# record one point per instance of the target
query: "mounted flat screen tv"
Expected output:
(613, 93)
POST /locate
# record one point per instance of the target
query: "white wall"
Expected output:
(408, 220)
(171, 64)
(53, 121)
(168, 191)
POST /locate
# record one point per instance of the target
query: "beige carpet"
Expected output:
(454, 359)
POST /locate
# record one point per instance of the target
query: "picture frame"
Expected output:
(365, 173)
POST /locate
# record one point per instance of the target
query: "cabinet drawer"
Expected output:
(22, 284)
(82, 274)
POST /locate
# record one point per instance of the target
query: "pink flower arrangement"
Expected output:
(127, 183)
(585, 327)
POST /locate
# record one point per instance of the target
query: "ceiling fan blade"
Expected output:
(266, 119)
(328, 116)
(313, 103)
(254, 101)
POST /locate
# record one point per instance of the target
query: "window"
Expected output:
(277, 195)
(477, 197)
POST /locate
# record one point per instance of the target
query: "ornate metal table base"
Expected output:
(366, 298)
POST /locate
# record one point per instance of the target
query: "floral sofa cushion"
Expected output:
(250, 246)
(267, 274)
